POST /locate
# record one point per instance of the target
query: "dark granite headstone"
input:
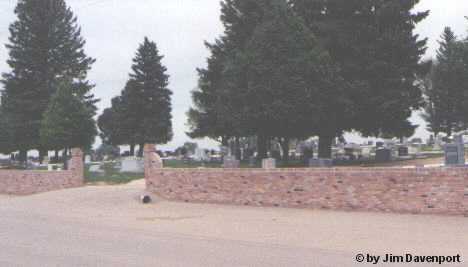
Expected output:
(403, 151)
(455, 153)
(383, 155)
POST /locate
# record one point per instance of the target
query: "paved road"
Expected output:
(106, 226)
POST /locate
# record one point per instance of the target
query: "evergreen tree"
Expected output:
(289, 78)
(45, 45)
(379, 57)
(261, 77)
(217, 111)
(210, 116)
(430, 115)
(447, 95)
(111, 125)
(5, 134)
(144, 107)
(68, 121)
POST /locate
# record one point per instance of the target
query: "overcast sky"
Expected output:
(114, 28)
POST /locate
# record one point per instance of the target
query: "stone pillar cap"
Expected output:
(149, 148)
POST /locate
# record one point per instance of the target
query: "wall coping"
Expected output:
(357, 169)
(34, 171)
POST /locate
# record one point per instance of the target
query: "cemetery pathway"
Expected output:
(107, 226)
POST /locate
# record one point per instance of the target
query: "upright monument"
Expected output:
(455, 153)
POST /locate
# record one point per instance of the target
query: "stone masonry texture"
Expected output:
(442, 191)
(17, 182)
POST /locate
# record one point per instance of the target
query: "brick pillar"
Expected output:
(77, 165)
(152, 159)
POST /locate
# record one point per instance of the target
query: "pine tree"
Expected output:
(447, 95)
(45, 45)
(5, 134)
(148, 98)
(217, 111)
(289, 77)
(431, 114)
(68, 120)
(210, 116)
(117, 124)
(111, 125)
(144, 109)
(374, 44)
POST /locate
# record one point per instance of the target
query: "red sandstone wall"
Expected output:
(15, 182)
(423, 191)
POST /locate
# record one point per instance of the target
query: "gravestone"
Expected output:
(269, 163)
(96, 168)
(455, 153)
(366, 151)
(252, 161)
(403, 151)
(50, 167)
(200, 155)
(230, 162)
(320, 163)
(438, 143)
(383, 155)
(87, 159)
(131, 164)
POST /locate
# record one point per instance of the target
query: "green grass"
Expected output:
(111, 175)
(179, 164)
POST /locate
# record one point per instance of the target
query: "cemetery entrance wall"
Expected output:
(17, 182)
(419, 191)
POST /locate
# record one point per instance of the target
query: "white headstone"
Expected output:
(200, 155)
(366, 151)
(131, 164)
(95, 168)
(269, 163)
(88, 159)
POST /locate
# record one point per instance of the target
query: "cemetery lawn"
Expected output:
(111, 175)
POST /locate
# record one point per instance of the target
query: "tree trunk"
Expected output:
(42, 154)
(140, 150)
(285, 147)
(65, 159)
(237, 148)
(262, 152)
(132, 150)
(56, 156)
(224, 141)
(23, 157)
(325, 147)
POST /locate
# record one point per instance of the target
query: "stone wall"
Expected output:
(419, 191)
(17, 182)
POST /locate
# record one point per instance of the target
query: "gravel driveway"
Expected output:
(106, 226)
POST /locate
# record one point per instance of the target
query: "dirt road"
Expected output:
(106, 226)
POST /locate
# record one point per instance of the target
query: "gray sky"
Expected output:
(114, 28)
